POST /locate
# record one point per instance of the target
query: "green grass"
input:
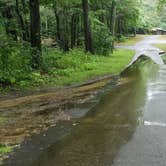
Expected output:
(77, 66)
(132, 40)
(5, 149)
(161, 46)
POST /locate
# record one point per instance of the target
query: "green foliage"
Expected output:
(76, 66)
(5, 149)
(14, 61)
(122, 38)
(102, 38)
(50, 58)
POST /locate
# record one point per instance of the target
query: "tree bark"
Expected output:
(35, 33)
(87, 27)
(113, 20)
(58, 29)
(60, 35)
(73, 30)
(26, 24)
(119, 27)
(21, 21)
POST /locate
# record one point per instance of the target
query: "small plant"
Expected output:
(5, 149)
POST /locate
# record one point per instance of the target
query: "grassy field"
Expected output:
(161, 46)
(77, 66)
(132, 40)
(72, 68)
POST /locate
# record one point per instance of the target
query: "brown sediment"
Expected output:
(28, 115)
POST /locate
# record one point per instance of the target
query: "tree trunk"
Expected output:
(58, 29)
(60, 35)
(35, 33)
(73, 30)
(21, 21)
(113, 20)
(87, 27)
(119, 27)
(26, 24)
(135, 31)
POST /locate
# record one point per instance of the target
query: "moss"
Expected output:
(5, 149)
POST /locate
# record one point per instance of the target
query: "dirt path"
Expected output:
(27, 115)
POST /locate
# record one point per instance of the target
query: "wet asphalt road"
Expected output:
(148, 144)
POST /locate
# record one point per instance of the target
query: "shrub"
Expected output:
(50, 58)
(102, 38)
(14, 61)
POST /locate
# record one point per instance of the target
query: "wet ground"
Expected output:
(126, 125)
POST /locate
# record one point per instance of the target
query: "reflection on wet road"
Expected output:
(148, 146)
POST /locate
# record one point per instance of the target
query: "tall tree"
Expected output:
(87, 27)
(21, 21)
(113, 20)
(35, 33)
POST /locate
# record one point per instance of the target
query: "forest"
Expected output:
(59, 42)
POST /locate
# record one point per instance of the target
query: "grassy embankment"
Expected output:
(132, 40)
(162, 46)
(76, 67)
(61, 68)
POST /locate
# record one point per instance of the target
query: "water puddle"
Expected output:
(147, 123)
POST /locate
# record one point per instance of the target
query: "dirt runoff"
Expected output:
(21, 117)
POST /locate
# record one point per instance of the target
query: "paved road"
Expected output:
(146, 47)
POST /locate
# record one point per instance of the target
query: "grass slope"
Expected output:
(132, 40)
(161, 46)
(93, 66)
(73, 67)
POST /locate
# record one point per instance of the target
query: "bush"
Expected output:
(14, 61)
(102, 38)
(50, 58)
(121, 39)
